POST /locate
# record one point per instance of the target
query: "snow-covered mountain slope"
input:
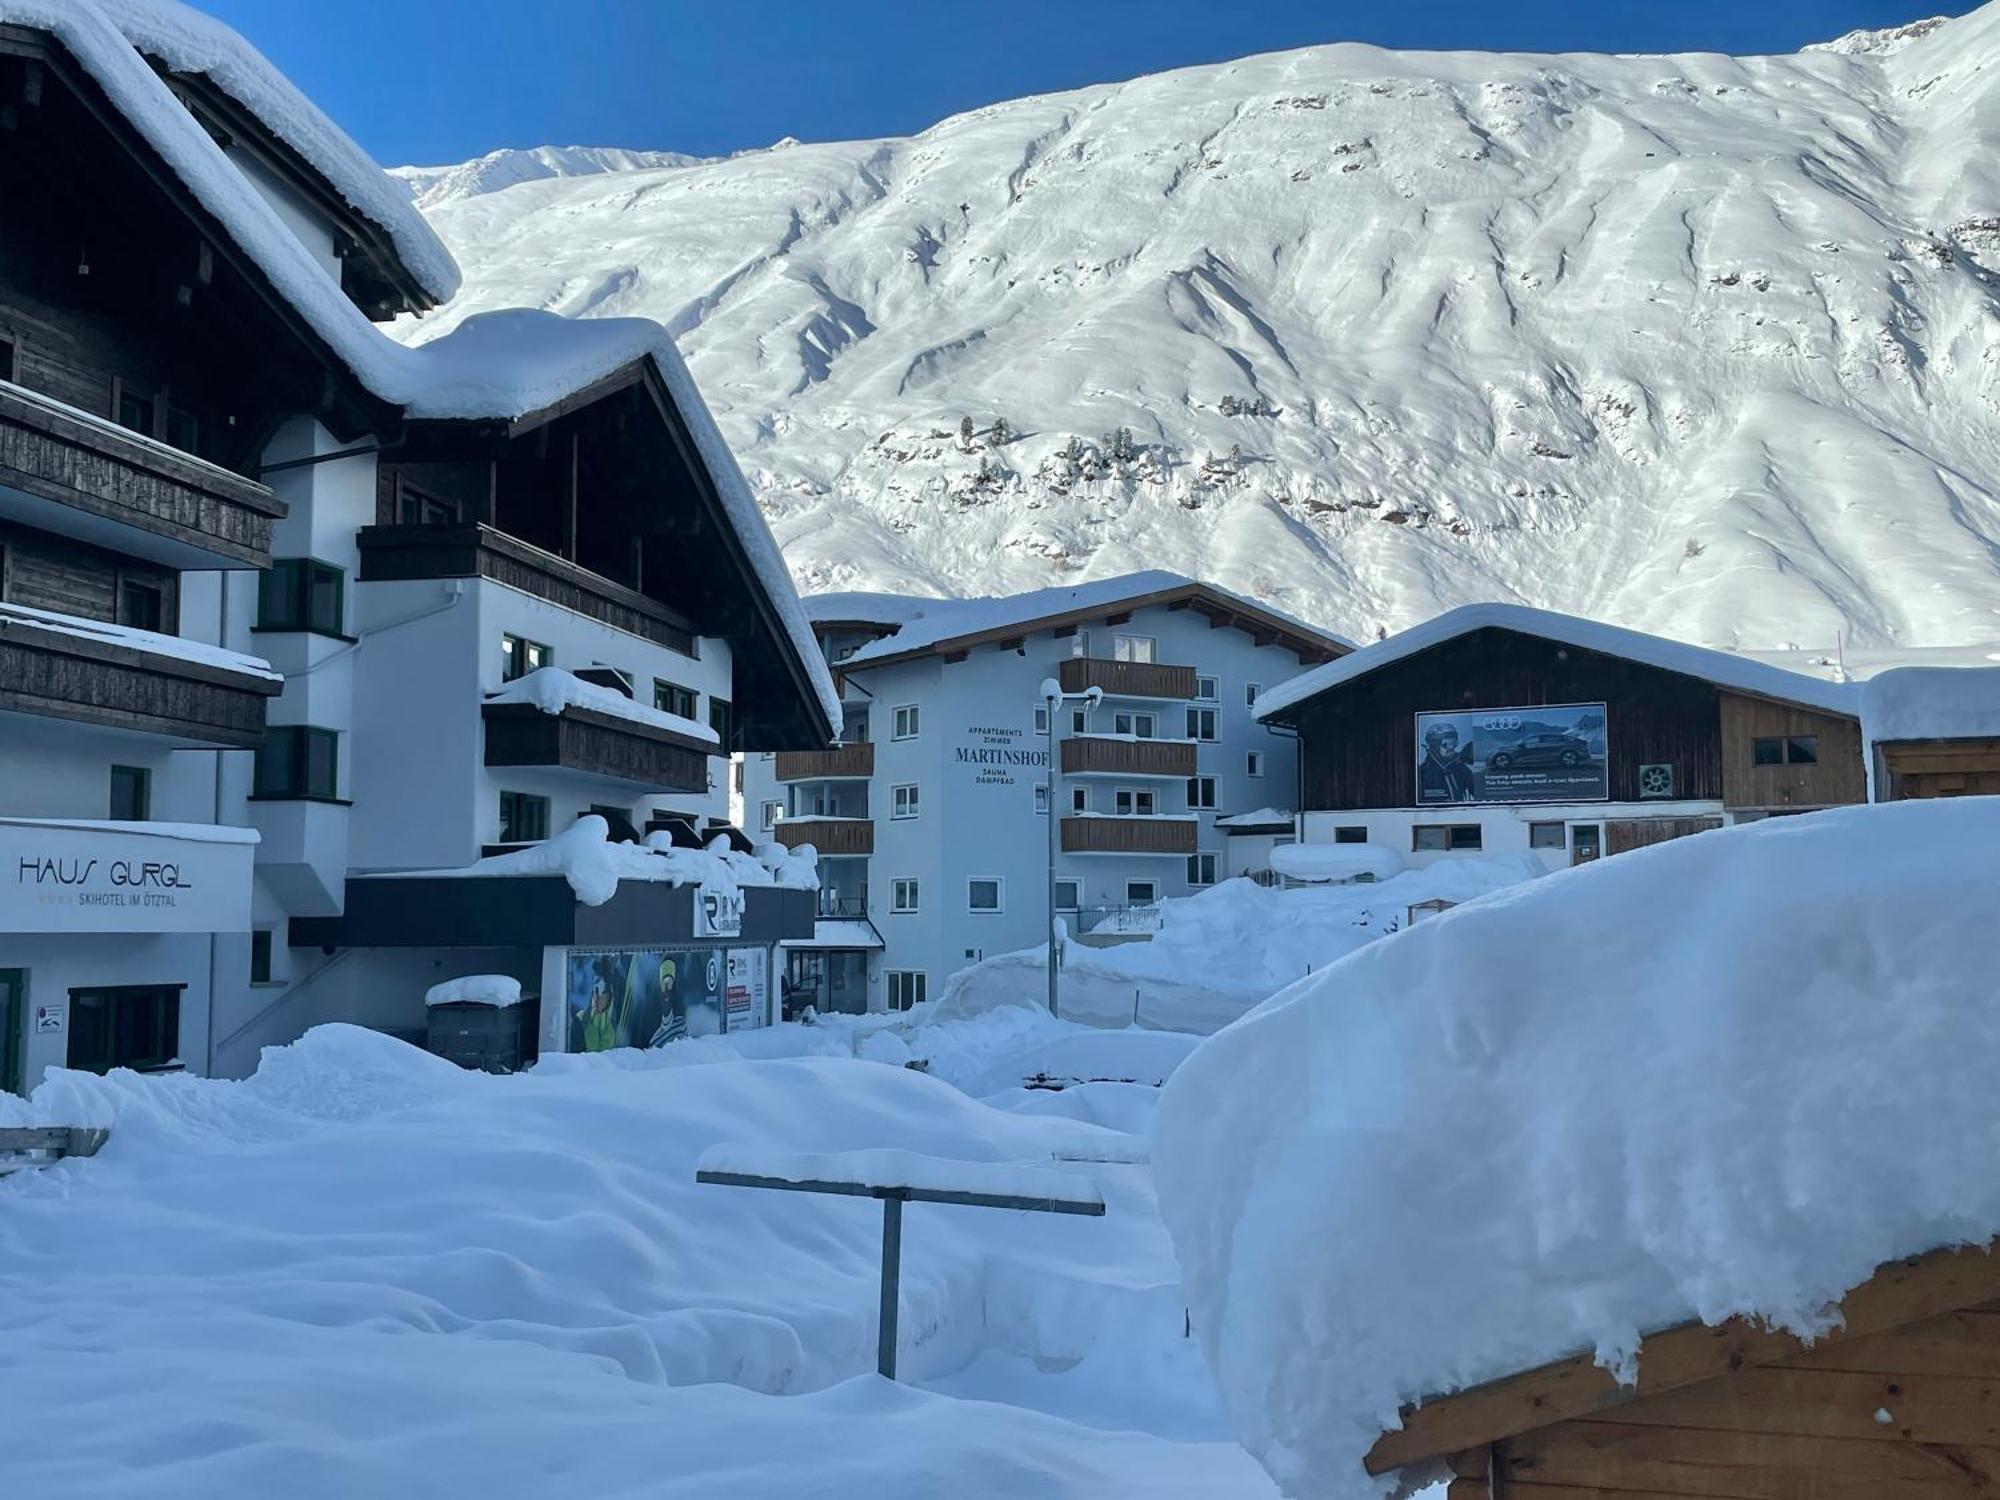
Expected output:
(431, 186)
(1697, 344)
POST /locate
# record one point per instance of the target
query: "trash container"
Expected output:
(483, 1022)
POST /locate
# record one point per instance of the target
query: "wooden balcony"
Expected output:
(828, 835)
(170, 506)
(593, 744)
(842, 762)
(1128, 835)
(59, 668)
(1103, 755)
(1125, 679)
(393, 553)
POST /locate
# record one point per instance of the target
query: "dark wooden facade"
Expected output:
(1126, 679)
(1622, 835)
(594, 744)
(828, 835)
(44, 571)
(1359, 738)
(1128, 835)
(1086, 755)
(62, 675)
(843, 762)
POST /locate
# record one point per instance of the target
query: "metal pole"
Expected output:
(1054, 705)
(892, 1283)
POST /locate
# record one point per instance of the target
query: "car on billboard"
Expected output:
(1541, 750)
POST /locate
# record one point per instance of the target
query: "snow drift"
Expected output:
(1727, 1075)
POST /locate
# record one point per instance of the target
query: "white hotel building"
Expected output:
(928, 817)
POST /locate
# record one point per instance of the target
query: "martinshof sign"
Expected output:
(998, 754)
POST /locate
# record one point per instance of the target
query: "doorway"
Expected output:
(13, 993)
(1586, 842)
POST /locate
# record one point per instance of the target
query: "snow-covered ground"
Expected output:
(1218, 953)
(366, 1272)
(1703, 345)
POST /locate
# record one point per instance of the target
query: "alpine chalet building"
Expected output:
(929, 816)
(287, 608)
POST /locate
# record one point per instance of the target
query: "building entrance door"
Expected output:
(1586, 842)
(13, 1041)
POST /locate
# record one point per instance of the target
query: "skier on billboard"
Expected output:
(1443, 775)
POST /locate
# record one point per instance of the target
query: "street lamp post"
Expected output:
(1053, 698)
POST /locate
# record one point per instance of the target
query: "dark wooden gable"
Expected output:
(1358, 738)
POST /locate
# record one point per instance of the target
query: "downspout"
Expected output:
(215, 817)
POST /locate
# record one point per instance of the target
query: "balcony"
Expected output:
(598, 745)
(399, 553)
(1128, 835)
(1121, 755)
(841, 763)
(828, 835)
(80, 475)
(133, 680)
(837, 905)
(1126, 679)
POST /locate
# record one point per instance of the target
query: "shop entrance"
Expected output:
(13, 989)
(827, 979)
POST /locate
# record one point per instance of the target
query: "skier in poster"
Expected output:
(673, 1007)
(1443, 775)
(603, 1027)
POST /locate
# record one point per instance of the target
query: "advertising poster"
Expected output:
(643, 997)
(1549, 754)
(747, 998)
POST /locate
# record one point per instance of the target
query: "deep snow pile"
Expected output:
(366, 1272)
(1931, 703)
(1221, 951)
(1699, 344)
(585, 856)
(1727, 1075)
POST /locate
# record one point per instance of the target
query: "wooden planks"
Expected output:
(1860, 1405)
(1835, 778)
(1898, 1294)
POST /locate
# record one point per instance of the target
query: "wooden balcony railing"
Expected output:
(1092, 755)
(1125, 679)
(851, 762)
(828, 835)
(1128, 835)
(171, 501)
(595, 744)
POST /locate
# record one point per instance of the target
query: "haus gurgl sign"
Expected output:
(84, 877)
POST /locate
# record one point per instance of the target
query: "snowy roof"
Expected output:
(187, 41)
(1263, 817)
(1724, 668)
(1931, 703)
(497, 990)
(584, 855)
(552, 689)
(1322, 862)
(924, 626)
(153, 642)
(496, 366)
(838, 932)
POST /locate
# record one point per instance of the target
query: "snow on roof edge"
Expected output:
(1724, 668)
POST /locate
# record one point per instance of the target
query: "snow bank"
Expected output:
(552, 689)
(1931, 703)
(1320, 862)
(499, 990)
(1220, 952)
(584, 855)
(1723, 1076)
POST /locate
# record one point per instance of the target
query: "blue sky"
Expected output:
(431, 81)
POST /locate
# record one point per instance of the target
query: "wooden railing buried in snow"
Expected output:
(39, 1145)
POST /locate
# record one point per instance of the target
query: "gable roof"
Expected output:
(915, 626)
(1723, 668)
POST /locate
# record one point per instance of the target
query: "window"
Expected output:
(131, 794)
(135, 411)
(1134, 802)
(772, 812)
(1200, 793)
(519, 656)
(302, 593)
(524, 818)
(1042, 719)
(1139, 726)
(182, 430)
(1079, 644)
(1207, 689)
(982, 894)
(906, 988)
(1431, 837)
(1141, 892)
(902, 895)
(903, 801)
(1132, 648)
(1079, 721)
(1351, 834)
(297, 761)
(418, 507)
(1250, 692)
(143, 606)
(124, 1026)
(1785, 750)
(1079, 799)
(7, 348)
(1201, 724)
(1069, 895)
(1041, 797)
(1201, 869)
(672, 698)
(1254, 762)
(722, 719)
(1547, 836)
(905, 722)
(260, 956)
